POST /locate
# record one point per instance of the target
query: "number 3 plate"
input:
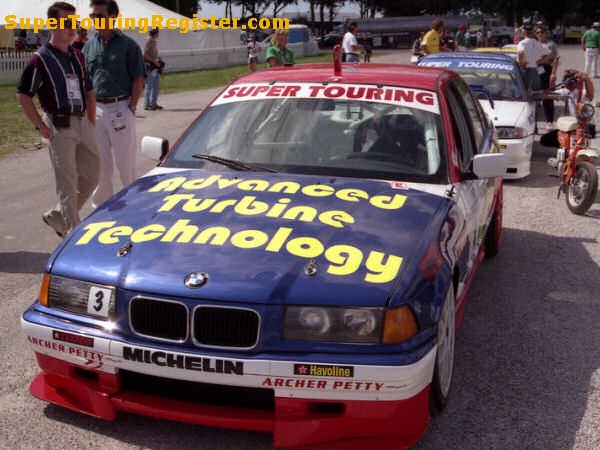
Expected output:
(98, 301)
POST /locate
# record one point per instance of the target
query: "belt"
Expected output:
(112, 99)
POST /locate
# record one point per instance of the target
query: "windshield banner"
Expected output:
(456, 64)
(399, 96)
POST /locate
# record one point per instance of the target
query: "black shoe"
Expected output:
(150, 108)
(158, 106)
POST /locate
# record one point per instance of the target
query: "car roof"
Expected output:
(500, 50)
(386, 74)
(488, 56)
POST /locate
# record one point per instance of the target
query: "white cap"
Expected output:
(596, 25)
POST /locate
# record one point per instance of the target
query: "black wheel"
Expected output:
(444, 358)
(581, 191)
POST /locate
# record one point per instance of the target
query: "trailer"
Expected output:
(398, 31)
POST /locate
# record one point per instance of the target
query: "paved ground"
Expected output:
(527, 368)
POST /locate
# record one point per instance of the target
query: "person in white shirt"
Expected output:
(571, 81)
(350, 45)
(531, 56)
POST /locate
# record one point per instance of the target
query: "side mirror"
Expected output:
(489, 165)
(154, 147)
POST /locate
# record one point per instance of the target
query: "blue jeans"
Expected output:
(532, 79)
(152, 87)
(352, 57)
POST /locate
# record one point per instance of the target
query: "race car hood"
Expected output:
(509, 114)
(258, 237)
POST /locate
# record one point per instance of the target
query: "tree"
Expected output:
(330, 6)
(253, 8)
(278, 5)
(368, 8)
(186, 7)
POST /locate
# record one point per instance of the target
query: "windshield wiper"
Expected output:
(236, 165)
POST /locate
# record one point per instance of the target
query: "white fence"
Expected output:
(180, 60)
(11, 65)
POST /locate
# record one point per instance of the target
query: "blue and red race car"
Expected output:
(297, 263)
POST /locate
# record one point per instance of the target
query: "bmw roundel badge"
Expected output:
(196, 279)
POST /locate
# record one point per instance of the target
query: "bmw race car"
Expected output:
(298, 262)
(510, 108)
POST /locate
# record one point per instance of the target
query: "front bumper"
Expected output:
(374, 403)
(518, 156)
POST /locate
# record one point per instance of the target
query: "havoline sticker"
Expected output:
(321, 370)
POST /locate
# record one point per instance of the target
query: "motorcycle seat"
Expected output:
(567, 123)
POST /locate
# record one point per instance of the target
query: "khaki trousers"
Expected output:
(120, 144)
(74, 157)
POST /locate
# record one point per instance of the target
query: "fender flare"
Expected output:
(587, 155)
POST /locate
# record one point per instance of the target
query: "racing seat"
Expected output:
(402, 136)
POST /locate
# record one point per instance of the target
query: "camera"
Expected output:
(570, 79)
(570, 82)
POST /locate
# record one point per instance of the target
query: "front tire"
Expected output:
(444, 358)
(581, 191)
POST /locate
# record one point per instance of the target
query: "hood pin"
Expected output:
(311, 268)
(123, 251)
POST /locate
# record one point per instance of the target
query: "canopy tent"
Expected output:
(168, 40)
(38, 8)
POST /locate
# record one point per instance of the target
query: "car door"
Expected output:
(473, 135)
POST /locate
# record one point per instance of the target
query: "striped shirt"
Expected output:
(47, 75)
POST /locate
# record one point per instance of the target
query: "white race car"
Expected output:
(497, 80)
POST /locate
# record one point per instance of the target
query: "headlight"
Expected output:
(587, 111)
(78, 297)
(511, 132)
(352, 325)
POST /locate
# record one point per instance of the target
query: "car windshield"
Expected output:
(328, 136)
(501, 84)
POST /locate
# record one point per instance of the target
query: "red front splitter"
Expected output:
(295, 422)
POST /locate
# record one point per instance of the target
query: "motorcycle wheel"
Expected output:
(582, 190)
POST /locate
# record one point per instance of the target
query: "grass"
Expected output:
(16, 132)
(210, 78)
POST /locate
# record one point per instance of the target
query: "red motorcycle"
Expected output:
(574, 157)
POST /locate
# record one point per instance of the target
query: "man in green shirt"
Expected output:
(590, 43)
(460, 38)
(116, 64)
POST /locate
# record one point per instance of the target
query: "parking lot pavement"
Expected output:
(527, 367)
